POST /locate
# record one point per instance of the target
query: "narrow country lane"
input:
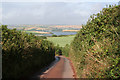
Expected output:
(60, 69)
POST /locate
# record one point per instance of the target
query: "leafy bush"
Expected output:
(65, 50)
(96, 47)
(23, 53)
(54, 35)
(58, 50)
(42, 37)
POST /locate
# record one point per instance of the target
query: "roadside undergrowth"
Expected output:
(95, 50)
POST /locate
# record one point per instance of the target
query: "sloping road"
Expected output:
(59, 69)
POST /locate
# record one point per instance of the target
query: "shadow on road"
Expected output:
(38, 75)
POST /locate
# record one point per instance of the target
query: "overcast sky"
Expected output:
(70, 13)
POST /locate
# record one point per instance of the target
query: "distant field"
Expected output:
(62, 41)
(39, 32)
(70, 30)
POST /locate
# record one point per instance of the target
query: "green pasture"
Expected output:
(62, 41)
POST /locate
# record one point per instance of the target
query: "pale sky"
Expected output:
(59, 0)
(70, 13)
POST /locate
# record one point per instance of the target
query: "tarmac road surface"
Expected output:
(60, 69)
